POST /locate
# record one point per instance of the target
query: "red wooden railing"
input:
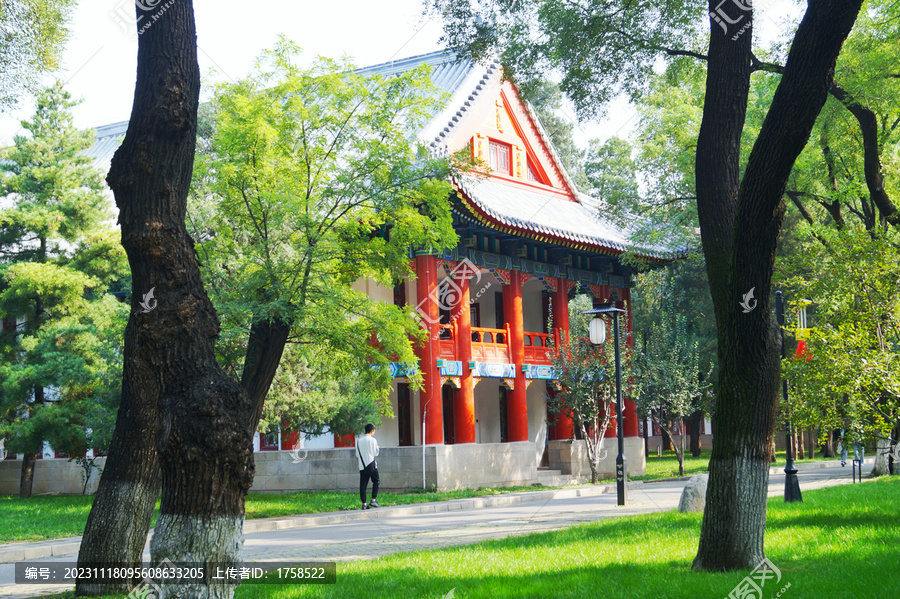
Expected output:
(536, 351)
(490, 345)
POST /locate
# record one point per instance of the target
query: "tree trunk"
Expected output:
(868, 126)
(204, 419)
(696, 422)
(812, 437)
(265, 347)
(646, 437)
(739, 228)
(667, 444)
(829, 445)
(882, 452)
(26, 480)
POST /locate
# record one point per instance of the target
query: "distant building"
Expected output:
(529, 241)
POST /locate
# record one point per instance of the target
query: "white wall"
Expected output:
(531, 306)
(537, 415)
(487, 411)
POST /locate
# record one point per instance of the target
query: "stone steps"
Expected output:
(553, 478)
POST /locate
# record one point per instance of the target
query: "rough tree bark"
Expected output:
(204, 420)
(26, 477)
(740, 221)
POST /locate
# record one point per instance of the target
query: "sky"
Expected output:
(100, 59)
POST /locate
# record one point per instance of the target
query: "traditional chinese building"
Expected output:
(528, 242)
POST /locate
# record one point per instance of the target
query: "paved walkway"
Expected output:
(368, 534)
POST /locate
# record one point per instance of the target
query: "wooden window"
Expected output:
(404, 415)
(500, 157)
(448, 394)
(499, 320)
(400, 294)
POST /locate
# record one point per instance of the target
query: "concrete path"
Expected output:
(368, 534)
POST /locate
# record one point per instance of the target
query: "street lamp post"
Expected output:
(791, 483)
(598, 337)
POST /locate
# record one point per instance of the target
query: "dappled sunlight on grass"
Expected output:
(840, 542)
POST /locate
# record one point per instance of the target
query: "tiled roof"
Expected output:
(109, 138)
(543, 212)
(530, 212)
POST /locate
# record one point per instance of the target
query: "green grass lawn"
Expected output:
(56, 516)
(49, 517)
(841, 542)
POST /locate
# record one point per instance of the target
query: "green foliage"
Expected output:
(850, 375)
(315, 392)
(668, 365)
(32, 36)
(599, 47)
(58, 256)
(309, 183)
(587, 383)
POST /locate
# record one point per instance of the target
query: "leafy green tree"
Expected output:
(312, 179)
(603, 48)
(850, 375)
(32, 36)
(668, 365)
(58, 257)
(587, 383)
(317, 391)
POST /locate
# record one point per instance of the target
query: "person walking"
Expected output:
(366, 450)
(842, 447)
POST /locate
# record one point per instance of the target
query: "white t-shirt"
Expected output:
(368, 447)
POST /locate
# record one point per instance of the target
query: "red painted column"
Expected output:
(630, 415)
(430, 396)
(560, 306)
(464, 410)
(517, 400)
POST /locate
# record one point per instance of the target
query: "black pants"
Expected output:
(367, 473)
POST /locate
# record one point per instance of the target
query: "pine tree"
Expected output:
(58, 256)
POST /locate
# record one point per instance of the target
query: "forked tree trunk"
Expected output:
(204, 418)
(739, 228)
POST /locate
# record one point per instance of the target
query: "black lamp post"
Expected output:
(791, 484)
(598, 337)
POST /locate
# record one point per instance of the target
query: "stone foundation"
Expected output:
(447, 467)
(571, 457)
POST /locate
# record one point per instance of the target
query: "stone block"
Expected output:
(693, 497)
